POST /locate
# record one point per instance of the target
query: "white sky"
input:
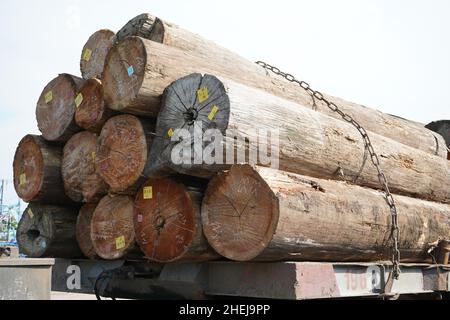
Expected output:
(392, 55)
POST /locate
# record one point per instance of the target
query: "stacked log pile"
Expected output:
(102, 180)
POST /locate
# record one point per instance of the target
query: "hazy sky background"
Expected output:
(392, 55)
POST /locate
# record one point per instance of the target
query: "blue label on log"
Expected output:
(130, 71)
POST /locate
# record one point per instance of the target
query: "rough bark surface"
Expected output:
(167, 222)
(94, 53)
(82, 181)
(112, 231)
(137, 71)
(443, 128)
(37, 171)
(83, 230)
(48, 231)
(265, 214)
(55, 108)
(123, 149)
(309, 142)
(92, 112)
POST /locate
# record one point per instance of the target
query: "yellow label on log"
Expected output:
(78, 100)
(87, 55)
(170, 133)
(30, 213)
(22, 179)
(213, 113)
(94, 156)
(202, 94)
(120, 242)
(48, 97)
(148, 193)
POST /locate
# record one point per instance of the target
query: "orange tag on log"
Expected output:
(48, 97)
(87, 55)
(202, 94)
(148, 193)
(22, 179)
(120, 242)
(213, 113)
(78, 100)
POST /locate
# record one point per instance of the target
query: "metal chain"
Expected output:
(395, 231)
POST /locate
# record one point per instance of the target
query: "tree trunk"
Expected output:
(123, 149)
(137, 71)
(443, 128)
(265, 214)
(48, 231)
(92, 112)
(167, 222)
(112, 231)
(94, 53)
(37, 171)
(82, 181)
(55, 109)
(83, 230)
(309, 143)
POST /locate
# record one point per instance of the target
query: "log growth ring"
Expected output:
(164, 220)
(28, 169)
(239, 213)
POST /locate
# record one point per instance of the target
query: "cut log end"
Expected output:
(164, 220)
(124, 73)
(94, 53)
(28, 168)
(55, 108)
(239, 213)
(81, 179)
(92, 113)
(48, 231)
(122, 152)
(83, 230)
(112, 231)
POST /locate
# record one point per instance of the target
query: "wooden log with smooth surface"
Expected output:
(92, 112)
(112, 231)
(82, 181)
(123, 148)
(48, 231)
(309, 142)
(167, 222)
(94, 53)
(265, 214)
(37, 171)
(55, 108)
(138, 70)
(83, 230)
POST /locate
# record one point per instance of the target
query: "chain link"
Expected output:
(395, 231)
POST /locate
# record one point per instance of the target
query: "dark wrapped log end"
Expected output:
(48, 231)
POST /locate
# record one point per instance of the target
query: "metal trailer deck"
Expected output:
(282, 280)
